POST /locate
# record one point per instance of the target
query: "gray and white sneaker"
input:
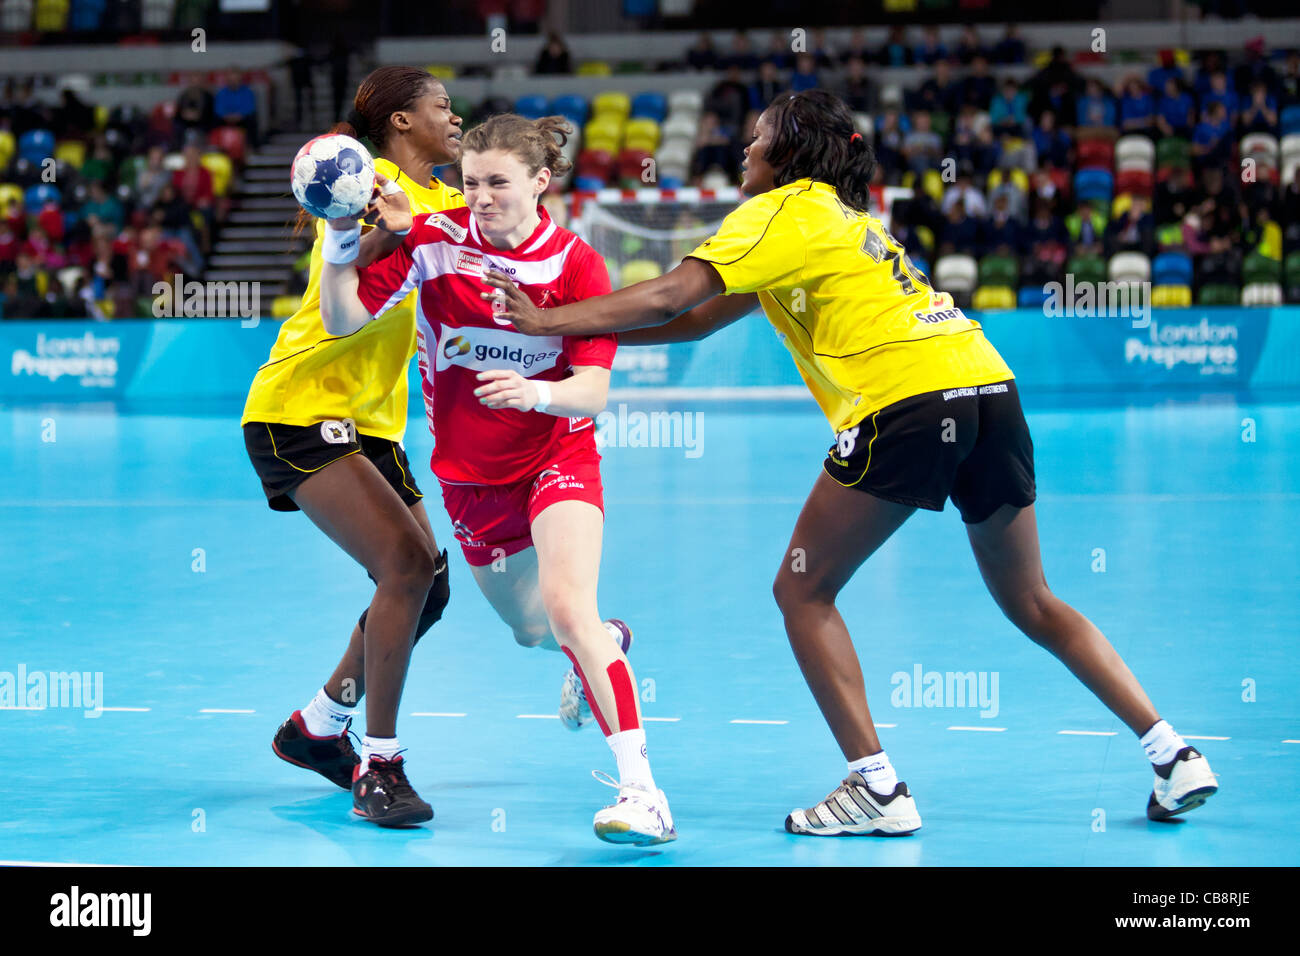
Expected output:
(853, 808)
(575, 712)
(1183, 784)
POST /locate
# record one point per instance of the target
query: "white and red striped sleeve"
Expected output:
(387, 281)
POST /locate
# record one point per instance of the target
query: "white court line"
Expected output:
(886, 726)
(662, 720)
(1089, 733)
(22, 707)
(1193, 737)
(992, 730)
(127, 710)
(1291, 741)
(738, 721)
(50, 863)
(537, 716)
(225, 710)
(430, 713)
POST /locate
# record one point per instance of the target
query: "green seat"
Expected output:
(1292, 268)
(999, 271)
(129, 170)
(1257, 267)
(1087, 269)
(1219, 293)
(1173, 152)
(941, 123)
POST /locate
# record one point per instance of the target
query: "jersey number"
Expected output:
(905, 274)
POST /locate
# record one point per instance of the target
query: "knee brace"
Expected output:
(434, 603)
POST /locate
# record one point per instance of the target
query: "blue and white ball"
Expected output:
(333, 177)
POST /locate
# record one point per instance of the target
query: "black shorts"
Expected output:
(968, 444)
(284, 456)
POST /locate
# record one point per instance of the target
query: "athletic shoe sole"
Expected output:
(882, 826)
(1188, 801)
(620, 833)
(407, 820)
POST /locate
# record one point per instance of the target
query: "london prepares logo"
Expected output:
(91, 358)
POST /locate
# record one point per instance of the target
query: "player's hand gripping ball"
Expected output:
(333, 177)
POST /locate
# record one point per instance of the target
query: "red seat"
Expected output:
(1096, 154)
(631, 166)
(231, 141)
(1139, 182)
(594, 162)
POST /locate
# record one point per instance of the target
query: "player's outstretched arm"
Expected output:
(650, 303)
(697, 323)
(581, 394)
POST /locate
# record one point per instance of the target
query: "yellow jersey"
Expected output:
(312, 375)
(865, 328)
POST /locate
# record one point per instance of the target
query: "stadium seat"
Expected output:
(641, 134)
(1261, 293)
(864, 124)
(284, 306)
(443, 71)
(36, 145)
(632, 168)
(1173, 151)
(1135, 152)
(1259, 269)
(681, 126)
(638, 270)
(72, 152)
(1219, 294)
(1093, 184)
(1291, 271)
(221, 168)
(8, 146)
(1016, 177)
(86, 14)
(1172, 268)
(1086, 269)
(650, 105)
(1289, 121)
(995, 270)
(956, 273)
(603, 130)
(673, 159)
(1261, 147)
(51, 16)
(34, 197)
(594, 68)
(1129, 267)
(688, 102)
(1031, 296)
(532, 106)
(1136, 182)
(716, 179)
(612, 104)
(991, 297)
(10, 193)
(1095, 154)
(572, 107)
(1171, 296)
(231, 141)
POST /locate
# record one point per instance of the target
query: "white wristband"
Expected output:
(543, 395)
(388, 189)
(341, 245)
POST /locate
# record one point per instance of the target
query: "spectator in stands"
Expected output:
(1177, 113)
(922, 147)
(1096, 109)
(930, 50)
(1008, 111)
(103, 207)
(1051, 143)
(765, 89)
(978, 87)
(98, 167)
(820, 50)
(1176, 196)
(1059, 97)
(714, 148)
(805, 73)
(25, 292)
(960, 233)
(1259, 114)
(702, 55)
(43, 249)
(1003, 233)
(151, 177)
(553, 60)
(1168, 67)
(970, 46)
(236, 105)
(171, 214)
(778, 51)
(1218, 92)
(1086, 227)
(729, 99)
(75, 118)
(9, 246)
(939, 92)
(1045, 233)
(896, 51)
(855, 88)
(1212, 138)
(1137, 110)
(300, 76)
(1133, 229)
(742, 53)
(965, 196)
(195, 107)
(857, 47)
(1057, 73)
(27, 112)
(961, 140)
(888, 144)
(986, 152)
(1288, 83)
(1254, 69)
(1010, 49)
(193, 183)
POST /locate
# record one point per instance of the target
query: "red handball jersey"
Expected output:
(457, 336)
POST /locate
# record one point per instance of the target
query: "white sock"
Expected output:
(878, 771)
(324, 717)
(378, 747)
(1161, 743)
(633, 764)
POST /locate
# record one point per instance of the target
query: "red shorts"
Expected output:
(495, 521)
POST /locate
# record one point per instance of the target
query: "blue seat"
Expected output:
(650, 105)
(36, 145)
(532, 106)
(1094, 184)
(671, 182)
(1290, 120)
(1031, 296)
(571, 107)
(588, 183)
(37, 196)
(1172, 268)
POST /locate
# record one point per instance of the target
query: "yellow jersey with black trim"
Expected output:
(312, 375)
(864, 326)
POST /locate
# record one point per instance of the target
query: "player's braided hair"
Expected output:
(536, 142)
(813, 136)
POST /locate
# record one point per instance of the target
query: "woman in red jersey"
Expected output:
(512, 415)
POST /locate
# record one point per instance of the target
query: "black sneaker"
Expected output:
(332, 757)
(384, 796)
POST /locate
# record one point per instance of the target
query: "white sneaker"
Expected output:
(1182, 784)
(853, 808)
(575, 712)
(640, 817)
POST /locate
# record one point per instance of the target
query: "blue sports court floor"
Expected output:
(1159, 521)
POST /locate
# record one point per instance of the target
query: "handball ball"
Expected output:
(333, 177)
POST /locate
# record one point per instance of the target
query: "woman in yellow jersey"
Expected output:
(924, 409)
(323, 424)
